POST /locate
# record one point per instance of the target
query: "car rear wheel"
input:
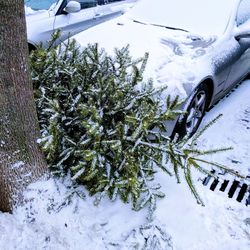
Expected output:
(192, 118)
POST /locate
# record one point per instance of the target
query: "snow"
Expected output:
(17, 165)
(55, 217)
(193, 15)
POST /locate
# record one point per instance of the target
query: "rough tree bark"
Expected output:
(21, 161)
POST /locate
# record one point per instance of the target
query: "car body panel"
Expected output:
(241, 65)
(41, 24)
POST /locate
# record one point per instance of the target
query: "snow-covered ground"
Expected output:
(57, 218)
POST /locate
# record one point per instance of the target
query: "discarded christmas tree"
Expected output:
(103, 123)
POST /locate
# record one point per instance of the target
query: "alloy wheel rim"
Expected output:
(196, 111)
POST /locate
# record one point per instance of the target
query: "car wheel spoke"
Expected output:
(196, 112)
(199, 113)
(200, 101)
(191, 115)
(190, 126)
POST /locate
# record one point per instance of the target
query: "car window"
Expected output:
(243, 13)
(40, 5)
(87, 3)
(101, 2)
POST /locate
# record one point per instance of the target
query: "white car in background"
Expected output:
(43, 17)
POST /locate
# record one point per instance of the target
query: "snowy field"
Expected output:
(57, 218)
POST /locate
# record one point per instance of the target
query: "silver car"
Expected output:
(200, 49)
(44, 17)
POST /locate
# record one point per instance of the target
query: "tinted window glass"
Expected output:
(40, 5)
(243, 13)
(87, 3)
(101, 2)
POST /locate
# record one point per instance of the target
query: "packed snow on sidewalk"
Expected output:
(59, 216)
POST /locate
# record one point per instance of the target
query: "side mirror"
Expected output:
(243, 31)
(72, 7)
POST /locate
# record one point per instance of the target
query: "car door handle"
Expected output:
(97, 15)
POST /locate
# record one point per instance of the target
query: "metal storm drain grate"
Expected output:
(234, 188)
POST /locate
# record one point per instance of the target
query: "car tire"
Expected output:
(190, 121)
(31, 47)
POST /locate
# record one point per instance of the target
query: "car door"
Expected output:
(107, 10)
(73, 23)
(241, 66)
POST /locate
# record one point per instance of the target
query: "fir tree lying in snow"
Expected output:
(106, 126)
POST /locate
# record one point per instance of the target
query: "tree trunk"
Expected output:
(21, 161)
